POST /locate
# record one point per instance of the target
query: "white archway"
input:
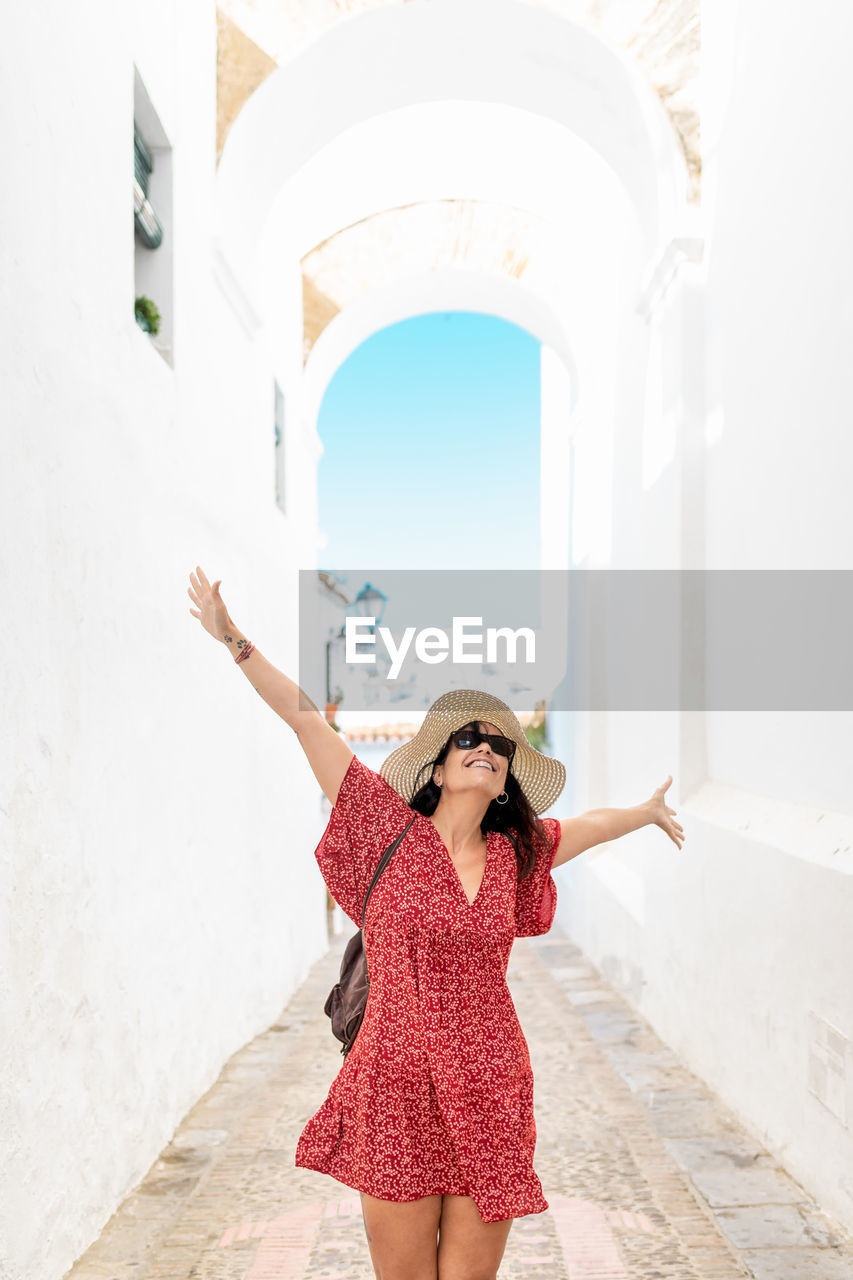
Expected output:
(445, 150)
(406, 54)
(437, 291)
(330, 104)
(587, 261)
(560, 384)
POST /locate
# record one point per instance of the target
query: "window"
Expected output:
(153, 260)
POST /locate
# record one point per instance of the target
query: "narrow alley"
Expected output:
(479, 349)
(646, 1174)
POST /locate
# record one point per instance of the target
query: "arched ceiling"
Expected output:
(660, 38)
(423, 237)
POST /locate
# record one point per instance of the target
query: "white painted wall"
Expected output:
(157, 820)
(738, 948)
(159, 896)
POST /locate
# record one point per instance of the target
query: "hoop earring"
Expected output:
(505, 798)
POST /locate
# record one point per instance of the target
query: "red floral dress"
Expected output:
(436, 1095)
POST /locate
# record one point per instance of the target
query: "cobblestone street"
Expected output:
(646, 1175)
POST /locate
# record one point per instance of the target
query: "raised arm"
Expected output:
(327, 753)
(597, 826)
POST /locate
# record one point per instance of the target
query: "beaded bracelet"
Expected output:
(244, 653)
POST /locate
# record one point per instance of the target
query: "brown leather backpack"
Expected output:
(346, 1001)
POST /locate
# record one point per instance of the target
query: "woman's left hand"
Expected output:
(660, 811)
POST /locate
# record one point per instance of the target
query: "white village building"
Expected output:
(304, 175)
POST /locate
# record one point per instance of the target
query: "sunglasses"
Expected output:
(467, 738)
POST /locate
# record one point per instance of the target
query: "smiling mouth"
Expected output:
(480, 764)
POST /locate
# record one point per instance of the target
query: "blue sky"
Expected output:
(431, 438)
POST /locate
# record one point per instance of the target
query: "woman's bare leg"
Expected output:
(468, 1247)
(402, 1236)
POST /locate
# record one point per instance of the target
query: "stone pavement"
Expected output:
(647, 1176)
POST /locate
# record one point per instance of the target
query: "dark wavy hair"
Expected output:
(514, 819)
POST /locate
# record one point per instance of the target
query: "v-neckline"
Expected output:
(471, 902)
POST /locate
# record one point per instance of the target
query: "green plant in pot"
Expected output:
(147, 315)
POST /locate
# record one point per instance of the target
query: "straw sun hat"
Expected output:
(541, 778)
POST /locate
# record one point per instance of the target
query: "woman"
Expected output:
(430, 1117)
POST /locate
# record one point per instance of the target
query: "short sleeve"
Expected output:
(366, 817)
(536, 895)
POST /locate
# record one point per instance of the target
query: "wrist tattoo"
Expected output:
(228, 639)
(241, 644)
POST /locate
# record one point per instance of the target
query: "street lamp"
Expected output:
(370, 603)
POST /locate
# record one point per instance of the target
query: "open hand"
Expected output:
(660, 812)
(211, 611)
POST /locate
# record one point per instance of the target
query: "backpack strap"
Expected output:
(383, 863)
